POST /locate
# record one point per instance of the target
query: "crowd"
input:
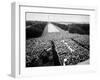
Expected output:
(41, 52)
(80, 54)
(83, 40)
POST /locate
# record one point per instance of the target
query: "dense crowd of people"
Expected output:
(83, 41)
(36, 50)
(80, 54)
(50, 52)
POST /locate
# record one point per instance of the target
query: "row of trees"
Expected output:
(34, 29)
(75, 28)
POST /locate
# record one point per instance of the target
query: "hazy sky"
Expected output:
(57, 17)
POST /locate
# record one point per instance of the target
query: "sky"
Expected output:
(57, 17)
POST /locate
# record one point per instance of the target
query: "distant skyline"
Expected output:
(57, 17)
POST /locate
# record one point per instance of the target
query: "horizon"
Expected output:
(57, 18)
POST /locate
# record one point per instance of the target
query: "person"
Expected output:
(64, 62)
